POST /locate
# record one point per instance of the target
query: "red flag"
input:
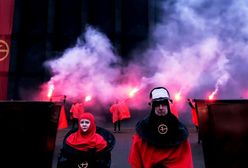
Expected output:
(6, 19)
(62, 119)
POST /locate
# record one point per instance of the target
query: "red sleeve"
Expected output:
(143, 155)
(182, 157)
(187, 159)
(134, 156)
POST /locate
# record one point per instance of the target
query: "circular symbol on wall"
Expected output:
(4, 50)
(162, 129)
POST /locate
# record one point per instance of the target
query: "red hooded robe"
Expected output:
(85, 141)
(151, 147)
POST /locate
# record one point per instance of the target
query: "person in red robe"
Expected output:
(120, 111)
(89, 146)
(194, 113)
(86, 138)
(77, 108)
(161, 140)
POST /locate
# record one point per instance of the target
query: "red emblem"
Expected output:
(4, 50)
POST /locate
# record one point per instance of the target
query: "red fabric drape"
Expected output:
(6, 21)
(119, 111)
(194, 117)
(62, 119)
(145, 155)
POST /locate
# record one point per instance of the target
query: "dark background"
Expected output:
(43, 29)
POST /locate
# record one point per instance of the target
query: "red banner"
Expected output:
(6, 21)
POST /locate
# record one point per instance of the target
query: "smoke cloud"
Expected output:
(198, 48)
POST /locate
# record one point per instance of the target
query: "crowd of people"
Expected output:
(160, 139)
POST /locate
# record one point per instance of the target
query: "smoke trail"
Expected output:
(88, 68)
(199, 46)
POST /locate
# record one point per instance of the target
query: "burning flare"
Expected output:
(212, 95)
(132, 92)
(178, 96)
(50, 90)
(87, 98)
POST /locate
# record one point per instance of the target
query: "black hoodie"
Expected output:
(173, 131)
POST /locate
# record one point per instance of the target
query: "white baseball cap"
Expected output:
(159, 93)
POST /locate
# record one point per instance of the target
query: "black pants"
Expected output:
(117, 124)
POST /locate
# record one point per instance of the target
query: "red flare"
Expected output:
(178, 96)
(132, 92)
(50, 90)
(87, 98)
(212, 95)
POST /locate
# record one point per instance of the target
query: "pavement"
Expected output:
(121, 149)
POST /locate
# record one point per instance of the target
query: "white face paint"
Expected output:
(85, 124)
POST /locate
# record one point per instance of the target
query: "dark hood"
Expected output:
(162, 131)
